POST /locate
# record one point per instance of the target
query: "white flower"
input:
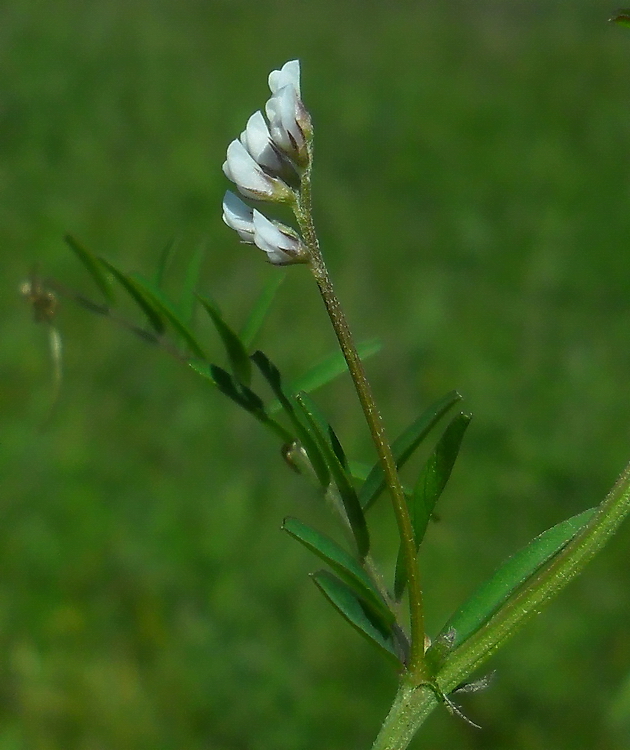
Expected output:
(289, 123)
(249, 177)
(281, 244)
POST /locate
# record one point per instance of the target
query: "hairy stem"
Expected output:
(417, 664)
(413, 704)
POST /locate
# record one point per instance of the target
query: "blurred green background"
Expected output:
(472, 189)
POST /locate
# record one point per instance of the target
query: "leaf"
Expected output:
(201, 367)
(157, 297)
(621, 17)
(164, 261)
(331, 367)
(324, 429)
(429, 487)
(272, 375)
(257, 316)
(359, 470)
(92, 266)
(247, 399)
(510, 576)
(234, 390)
(191, 279)
(345, 566)
(405, 445)
(137, 293)
(353, 611)
(238, 358)
(325, 371)
(229, 386)
(435, 474)
(328, 369)
(330, 448)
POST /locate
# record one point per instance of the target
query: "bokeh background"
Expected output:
(472, 190)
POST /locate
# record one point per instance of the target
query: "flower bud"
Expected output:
(290, 124)
(288, 75)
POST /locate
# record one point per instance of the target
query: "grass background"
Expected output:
(472, 192)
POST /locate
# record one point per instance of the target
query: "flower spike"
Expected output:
(268, 163)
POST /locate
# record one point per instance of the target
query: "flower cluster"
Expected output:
(266, 164)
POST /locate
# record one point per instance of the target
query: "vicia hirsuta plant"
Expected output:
(271, 163)
(287, 145)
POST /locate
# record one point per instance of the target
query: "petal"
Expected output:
(257, 141)
(238, 216)
(278, 242)
(289, 74)
(282, 110)
(241, 168)
(249, 178)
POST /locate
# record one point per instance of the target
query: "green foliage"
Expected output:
(272, 375)
(191, 282)
(330, 448)
(93, 267)
(346, 568)
(405, 445)
(511, 575)
(238, 357)
(507, 580)
(324, 372)
(621, 17)
(352, 609)
(259, 311)
(430, 485)
(168, 311)
(351, 590)
(139, 296)
(164, 261)
(128, 623)
(235, 390)
(435, 474)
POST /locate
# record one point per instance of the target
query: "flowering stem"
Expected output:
(417, 668)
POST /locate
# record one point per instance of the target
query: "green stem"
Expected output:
(541, 588)
(409, 711)
(411, 707)
(417, 663)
